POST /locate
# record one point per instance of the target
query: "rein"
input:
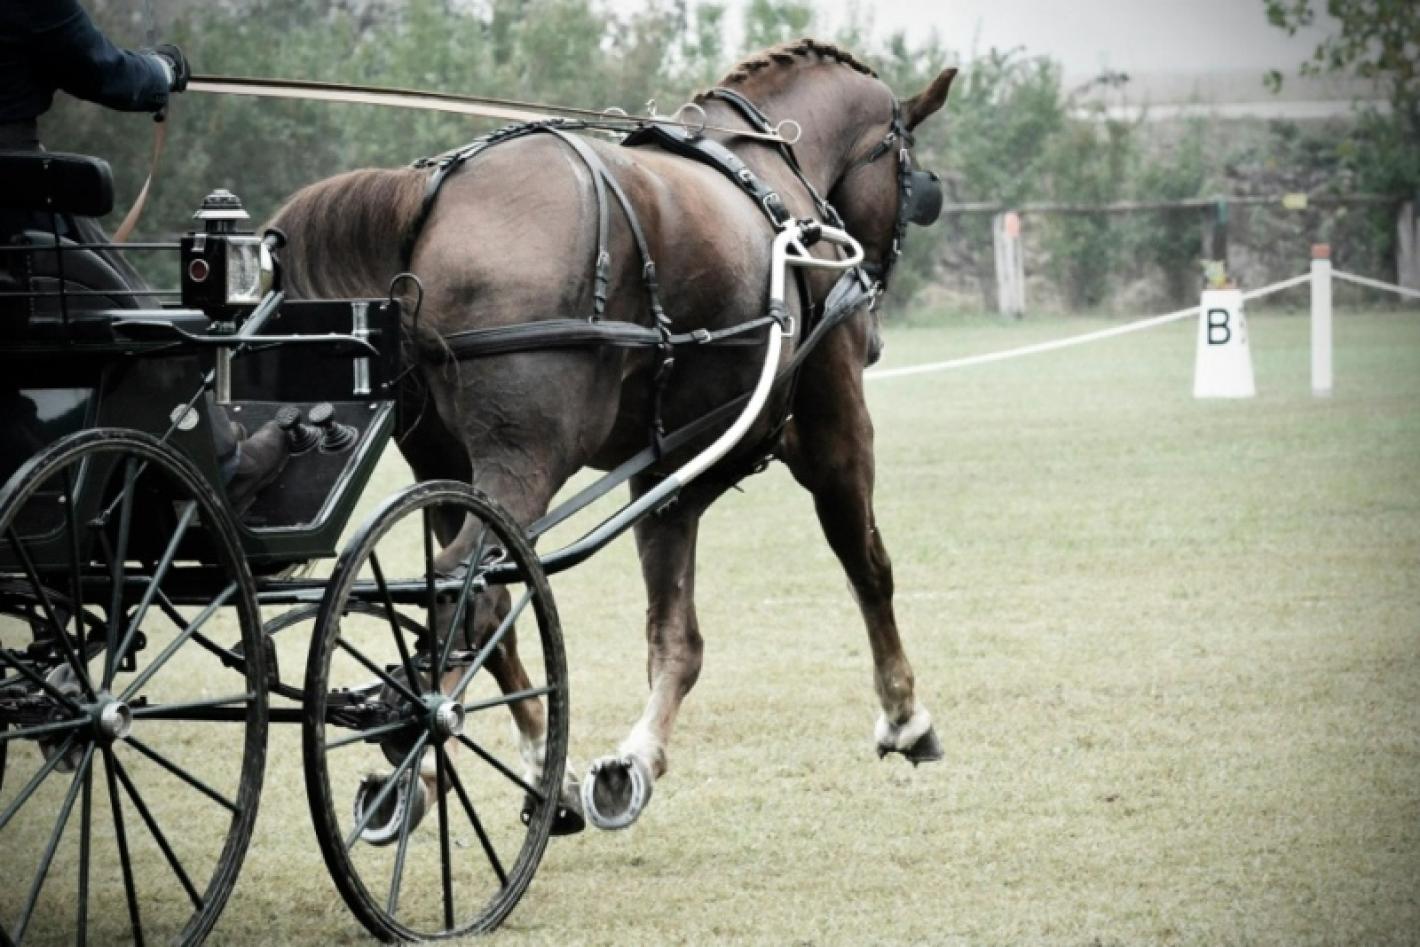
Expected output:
(613, 119)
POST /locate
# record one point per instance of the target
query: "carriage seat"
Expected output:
(55, 181)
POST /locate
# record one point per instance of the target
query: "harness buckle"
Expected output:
(701, 336)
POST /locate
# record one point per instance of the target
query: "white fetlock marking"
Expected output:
(899, 737)
(534, 754)
(640, 742)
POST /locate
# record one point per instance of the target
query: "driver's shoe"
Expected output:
(260, 460)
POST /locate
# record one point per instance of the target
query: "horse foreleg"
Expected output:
(616, 789)
(830, 452)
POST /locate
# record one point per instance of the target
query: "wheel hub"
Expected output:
(446, 717)
(113, 720)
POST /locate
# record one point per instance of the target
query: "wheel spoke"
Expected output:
(395, 630)
(177, 642)
(415, 785)
(384, 792)
(49, 850)
(129, 889)
(75, 576)
(493, 641)
(483, 838)
(497, 764)
(470, 574)
(181, 711)
(506, 699)
(154, 583)
(379, 672)
(85, 825)
(61, 636)
(446, 878)
(35, 780)
(58, 726)
(391, 727)
(117, 565)
(429, 622)
(182, 774)
(157, 834)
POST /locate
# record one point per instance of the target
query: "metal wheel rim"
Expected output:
(133, 816)
(324, 803)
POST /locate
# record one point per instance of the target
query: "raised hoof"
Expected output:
(385, 824)
(569, 819)
(616, 791)
(925, 749)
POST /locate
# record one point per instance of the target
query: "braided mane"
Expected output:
(789, 54)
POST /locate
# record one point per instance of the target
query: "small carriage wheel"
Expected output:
(134, 745)
(431, 811)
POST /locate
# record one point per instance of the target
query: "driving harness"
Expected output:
(920, 202)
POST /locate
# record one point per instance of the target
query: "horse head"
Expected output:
(881, 189)
(856, 143)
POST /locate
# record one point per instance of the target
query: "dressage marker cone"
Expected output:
(1223, 366)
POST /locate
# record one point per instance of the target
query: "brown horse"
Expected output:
(507, 242)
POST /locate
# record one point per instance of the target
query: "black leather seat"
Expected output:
(40, 181)
(36, 188)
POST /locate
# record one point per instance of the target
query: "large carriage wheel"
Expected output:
(431, 809)
(133, 734)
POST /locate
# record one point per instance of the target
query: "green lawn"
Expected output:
(1172, 648)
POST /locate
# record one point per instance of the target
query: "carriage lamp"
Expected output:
(224, 269)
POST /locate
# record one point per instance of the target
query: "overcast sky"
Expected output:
(1138, 36)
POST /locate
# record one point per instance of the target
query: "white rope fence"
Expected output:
(1375, 284)
(1321, 272)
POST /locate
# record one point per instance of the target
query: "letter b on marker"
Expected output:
(1219, 331)
(1223, 363)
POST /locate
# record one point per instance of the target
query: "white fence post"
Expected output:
(1321, 320)
(1010, 264)
(1407, 246)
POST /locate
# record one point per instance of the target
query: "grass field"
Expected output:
(1172, 648)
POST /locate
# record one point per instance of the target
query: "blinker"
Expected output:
(925, 204)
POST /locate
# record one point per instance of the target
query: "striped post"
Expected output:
(1321, 320)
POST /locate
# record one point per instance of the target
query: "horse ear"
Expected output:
(929, 100)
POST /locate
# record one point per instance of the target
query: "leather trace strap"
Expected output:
(579, 333)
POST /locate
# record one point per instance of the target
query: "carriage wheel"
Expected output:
(431, 811)
(134, 743)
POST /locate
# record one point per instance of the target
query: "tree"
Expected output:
(1377, 40)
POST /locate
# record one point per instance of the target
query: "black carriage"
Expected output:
(132, 637)
(138, 678)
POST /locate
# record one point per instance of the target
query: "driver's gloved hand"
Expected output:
(176, 64)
